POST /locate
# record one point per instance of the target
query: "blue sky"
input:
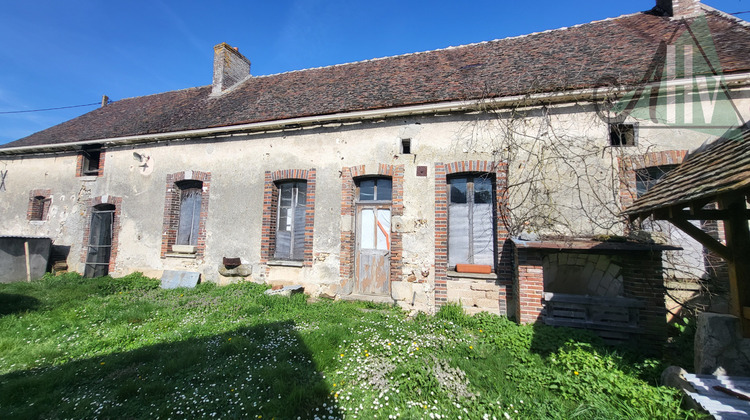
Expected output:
(60, 53)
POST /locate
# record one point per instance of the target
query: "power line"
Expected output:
(49, 109)
(739, 13)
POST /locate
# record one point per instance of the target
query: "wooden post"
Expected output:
(28, 262)
(738, 242)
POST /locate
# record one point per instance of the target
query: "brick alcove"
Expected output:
(638, 268)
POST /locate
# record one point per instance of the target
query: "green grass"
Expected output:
(123, 348)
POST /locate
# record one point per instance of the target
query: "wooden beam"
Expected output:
(704, 238)
(738, 241)
(699, 214)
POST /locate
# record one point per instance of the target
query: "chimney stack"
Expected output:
(678, 8)
(230, 68)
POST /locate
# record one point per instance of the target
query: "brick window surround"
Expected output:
(348, 200)
(39, 203)
(270, 208)
(502, 250)
(92, 203)
(81, 160)
(629, 165)
(172, 210)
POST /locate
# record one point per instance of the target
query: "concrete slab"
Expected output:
(172, 279)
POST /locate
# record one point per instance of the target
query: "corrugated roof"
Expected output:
(721, 167)
(566, 59)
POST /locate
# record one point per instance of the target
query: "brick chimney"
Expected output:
(678, 8)
(230, 68)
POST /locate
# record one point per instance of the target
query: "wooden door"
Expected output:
(373, 249)
(100, 242)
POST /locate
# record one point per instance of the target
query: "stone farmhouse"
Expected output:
(488, 174)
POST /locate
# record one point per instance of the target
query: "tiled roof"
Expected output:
(721, 167)
(553, 61)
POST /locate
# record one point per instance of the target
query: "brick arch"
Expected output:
(92, 203)
(172, 210)
(348, 192)
(270, 207)
(503, 256)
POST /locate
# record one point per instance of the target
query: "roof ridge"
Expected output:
(724, 14)
(160, 93)
(453, 47)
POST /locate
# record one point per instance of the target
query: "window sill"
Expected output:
(88, 178)
(172, 255)
(284, 263)
(456, 274)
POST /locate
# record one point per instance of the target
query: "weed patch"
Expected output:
(87, 348)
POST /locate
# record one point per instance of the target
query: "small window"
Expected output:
(374, 189)
(39, 208)
(191, 195)
(290, 224)
(406, 146)
(91, 160)
(646, 178)
(622, 134)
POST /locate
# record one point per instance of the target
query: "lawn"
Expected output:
(123, 348)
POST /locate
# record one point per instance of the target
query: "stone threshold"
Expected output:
(368, 298)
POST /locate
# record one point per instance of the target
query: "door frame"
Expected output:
(90, 268)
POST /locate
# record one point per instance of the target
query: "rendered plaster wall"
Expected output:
(238, 163)
(64, 223)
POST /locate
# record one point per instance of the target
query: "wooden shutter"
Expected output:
(458, 235)
(190, 210)
(482, 235)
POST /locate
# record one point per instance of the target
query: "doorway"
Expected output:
(100, 241)
(373, 244)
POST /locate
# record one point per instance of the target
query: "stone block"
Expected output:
(284, 275)
(719, 346)
(484, 287)
(285, 291)
(172, 279)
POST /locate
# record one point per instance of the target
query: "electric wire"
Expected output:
(51, 109)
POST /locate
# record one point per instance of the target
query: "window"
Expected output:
(406, 146)
(373, 197)
(646, 178)
(471, 235)
(185, 212)
(90, 160)
(39, 207)
(622, 134)
(191, 194)
(290, 223)
(374, 189)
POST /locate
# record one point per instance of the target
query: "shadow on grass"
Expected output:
(11, 303)
(264, 370)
